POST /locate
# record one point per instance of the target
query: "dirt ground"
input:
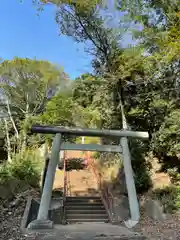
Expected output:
(82, 183)
(10, 219)
(169, 229)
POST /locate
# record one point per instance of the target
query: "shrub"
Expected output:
(111, 163)
(73, 164)
(141, 166)
(5, 173)
(174, 175)
(27, 166)
(169, 198)
(142, 179)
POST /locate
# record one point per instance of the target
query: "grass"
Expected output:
(169, 197)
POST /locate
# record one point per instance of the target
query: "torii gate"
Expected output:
(42, 220)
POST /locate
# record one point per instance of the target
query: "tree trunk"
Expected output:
(8, 141)
(24, 143)
(83, 140)
(24, 140)
(11, 118)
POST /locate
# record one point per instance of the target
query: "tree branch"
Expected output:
(11, 118)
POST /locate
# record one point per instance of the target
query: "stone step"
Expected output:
(87, 216)
(84, 204)
(85, 211)
(105, 220)
(83, 199)
(85, 207)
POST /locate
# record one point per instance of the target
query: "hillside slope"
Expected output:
(80, 183)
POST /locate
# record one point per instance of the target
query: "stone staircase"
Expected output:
(83, 209)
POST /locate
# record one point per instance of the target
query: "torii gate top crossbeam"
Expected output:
(89, 132)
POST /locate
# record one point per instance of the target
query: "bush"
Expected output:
(141, 166)
(142, 179)
(73, 164)
(5, 173)
(174, 175)
(169, 198)
(111, 163)
(27, 166)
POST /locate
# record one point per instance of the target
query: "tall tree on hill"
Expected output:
(111, 63)
(156, 101)
(26, 86)
(148, 85)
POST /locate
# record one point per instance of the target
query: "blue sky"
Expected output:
(24, 34)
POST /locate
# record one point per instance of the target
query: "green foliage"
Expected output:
(174, 175)
(141, 166)
(89, 117)
(170, 49)
(88, 140)
(108, 160)
(58, 111)
(169, 198)
(145, 78)
(85, 88)
(27, 166)
(64, 111)
(26, 86)
(165, 144)
(73, 164)
(168, 137)
(149, 104)
(29, 83)
(81, 5)
(5, 173)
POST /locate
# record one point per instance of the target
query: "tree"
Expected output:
(154, 104)
(85, 88)
(26, 87)
(112, 64)
(65, 110)
(58, 111)
(127, 75)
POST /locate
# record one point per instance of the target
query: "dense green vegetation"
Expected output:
(144, 79)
